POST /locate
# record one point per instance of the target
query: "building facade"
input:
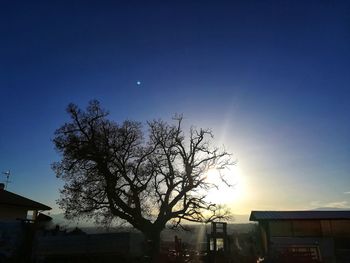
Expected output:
(16, 207)
(305, 236)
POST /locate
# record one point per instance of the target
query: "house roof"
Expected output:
(8, 198)
(298, 215)
(43, 218)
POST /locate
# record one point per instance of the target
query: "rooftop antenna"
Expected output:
(7, 174)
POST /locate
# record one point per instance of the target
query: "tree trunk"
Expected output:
(153, 245)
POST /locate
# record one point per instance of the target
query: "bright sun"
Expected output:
(225, 194)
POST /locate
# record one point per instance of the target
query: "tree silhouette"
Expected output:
(147, 177)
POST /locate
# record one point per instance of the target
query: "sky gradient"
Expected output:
(271, 78)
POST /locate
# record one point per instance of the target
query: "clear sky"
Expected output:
(271, 78)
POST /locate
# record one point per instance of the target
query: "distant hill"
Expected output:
(331, 209)
(61, 220)
(240, 224)
(240, 219)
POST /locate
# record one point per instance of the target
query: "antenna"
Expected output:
(7, 181)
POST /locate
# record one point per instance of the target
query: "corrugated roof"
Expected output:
(8, 198)
(298, 215)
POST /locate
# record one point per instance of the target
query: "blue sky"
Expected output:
(271, 78)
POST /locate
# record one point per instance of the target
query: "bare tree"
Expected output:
(146, 177)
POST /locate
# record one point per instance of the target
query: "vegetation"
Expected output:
(146, 177)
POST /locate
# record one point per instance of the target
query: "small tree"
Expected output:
(147, 178)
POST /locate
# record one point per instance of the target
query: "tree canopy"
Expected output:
(147, 175)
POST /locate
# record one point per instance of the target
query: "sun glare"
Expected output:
(225, 194)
